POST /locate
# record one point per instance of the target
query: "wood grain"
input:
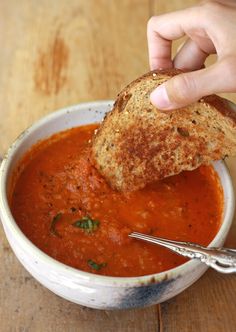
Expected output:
(58, 53)
(208, 306)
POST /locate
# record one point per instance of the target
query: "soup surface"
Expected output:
(66, 209)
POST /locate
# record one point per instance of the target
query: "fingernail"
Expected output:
(159, 98)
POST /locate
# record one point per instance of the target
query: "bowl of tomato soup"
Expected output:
(70, 229)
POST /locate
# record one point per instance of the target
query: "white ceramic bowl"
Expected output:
(81, 287)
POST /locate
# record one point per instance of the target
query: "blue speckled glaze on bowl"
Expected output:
(145, 295)
(81, 287)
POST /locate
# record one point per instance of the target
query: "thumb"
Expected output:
(186, 88)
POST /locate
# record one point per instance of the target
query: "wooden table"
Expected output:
(58, 53)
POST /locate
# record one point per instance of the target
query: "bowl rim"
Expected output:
(8, 220)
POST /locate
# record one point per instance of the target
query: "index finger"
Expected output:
(162, 30)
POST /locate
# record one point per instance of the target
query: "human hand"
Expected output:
(210, 28)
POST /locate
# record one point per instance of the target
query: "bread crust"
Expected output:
(137, 144)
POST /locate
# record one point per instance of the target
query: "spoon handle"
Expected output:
(221, 259)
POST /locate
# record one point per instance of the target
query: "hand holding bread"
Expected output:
(137, 143)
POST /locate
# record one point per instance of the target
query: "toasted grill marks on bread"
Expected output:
(137, 144)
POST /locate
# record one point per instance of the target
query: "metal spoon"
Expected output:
(221, 259)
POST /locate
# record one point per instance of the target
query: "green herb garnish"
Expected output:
(53, 224)
(87, 223)
(95, 265)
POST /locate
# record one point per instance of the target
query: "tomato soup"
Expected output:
(64, 206)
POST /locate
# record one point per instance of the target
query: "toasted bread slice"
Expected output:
(137, 144)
